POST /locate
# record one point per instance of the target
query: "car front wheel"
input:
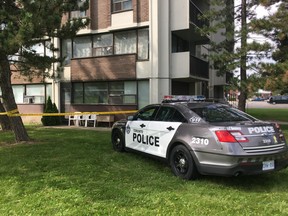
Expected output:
(118, 141)
(182, 163)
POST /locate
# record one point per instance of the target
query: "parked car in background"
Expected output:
(257, 99)
(278, 99)
(190, 98)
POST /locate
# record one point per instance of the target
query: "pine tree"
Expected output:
(23, 24)
(235, 51)
(275, 28)
(50, 108)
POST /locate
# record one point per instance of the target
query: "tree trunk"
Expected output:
(4, 120)
(243, 72)
(9, 100)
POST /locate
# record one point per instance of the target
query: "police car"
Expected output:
(203, 138)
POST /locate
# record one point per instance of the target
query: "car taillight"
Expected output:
(230, 136)
(281, 135)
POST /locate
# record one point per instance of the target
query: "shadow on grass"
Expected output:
(253, 183)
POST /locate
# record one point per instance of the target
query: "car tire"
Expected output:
(118, 141)
(182, 163)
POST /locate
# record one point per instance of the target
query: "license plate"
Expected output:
(268, 165)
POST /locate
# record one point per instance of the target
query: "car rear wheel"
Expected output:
(182, 163)
(117, 141)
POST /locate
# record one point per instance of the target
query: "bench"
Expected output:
(105, 118)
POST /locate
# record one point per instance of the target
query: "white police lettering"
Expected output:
(200, 141)
(147, 140)
(234, 128)
(195, 119)
(263, 129)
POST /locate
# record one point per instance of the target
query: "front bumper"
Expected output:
(231, 165)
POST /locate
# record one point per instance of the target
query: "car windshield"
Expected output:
(214, 113)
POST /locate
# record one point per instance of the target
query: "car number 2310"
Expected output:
(200, 141)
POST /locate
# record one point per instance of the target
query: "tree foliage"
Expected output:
(238, 51)
(50, 108)
(26, 23)
(275, 29)
(23, 25)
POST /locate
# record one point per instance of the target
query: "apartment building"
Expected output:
(134, 52)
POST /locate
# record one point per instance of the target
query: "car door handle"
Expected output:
(170, 128)
(142, 125)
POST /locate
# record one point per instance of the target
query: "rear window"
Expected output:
(214, 113)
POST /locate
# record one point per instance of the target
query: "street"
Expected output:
(264, 104)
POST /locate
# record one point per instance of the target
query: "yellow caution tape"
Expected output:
(15, 113)
(10, 113)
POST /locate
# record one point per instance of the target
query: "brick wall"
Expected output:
(17, 78)
(141, 10)
(104, 68)
(100, 14)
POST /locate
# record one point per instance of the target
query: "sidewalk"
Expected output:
(279, 122)
(80, 127)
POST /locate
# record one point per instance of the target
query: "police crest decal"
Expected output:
(128, 129)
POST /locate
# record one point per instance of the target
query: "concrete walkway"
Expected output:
(80, 128)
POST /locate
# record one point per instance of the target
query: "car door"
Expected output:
(136, 129)
(161, 130)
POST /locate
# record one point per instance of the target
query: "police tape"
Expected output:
(10, 113)
(15, 113)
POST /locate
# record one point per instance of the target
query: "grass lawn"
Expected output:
(269, 114)
(76, 172)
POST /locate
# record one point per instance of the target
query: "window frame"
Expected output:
(68, 46)
(121, 3)
(108, 98)
(34, 98)
(103, 47)
(76, 14)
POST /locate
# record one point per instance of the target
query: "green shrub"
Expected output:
(50, 120)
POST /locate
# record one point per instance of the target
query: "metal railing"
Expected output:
(194, 14)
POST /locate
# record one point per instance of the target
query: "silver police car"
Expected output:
(203, 139)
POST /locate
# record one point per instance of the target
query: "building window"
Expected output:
(78, 13)
(143, 98)
(82, 47)
(41, 49)
(143, 44)
(121, 5)
(78, 93)
(66, 51)
(34, 93)
(96, 93)
(103, 45)
(125, 42)
(114, 93)
(19, 92)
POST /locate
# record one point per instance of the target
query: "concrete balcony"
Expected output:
(186, 12)
(186, 66)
